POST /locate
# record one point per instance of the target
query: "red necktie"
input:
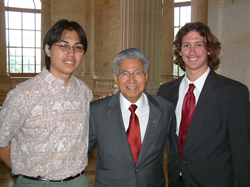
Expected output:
(186, 116)
(133, 133)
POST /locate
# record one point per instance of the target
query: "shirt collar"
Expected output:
(199, 83)
(141, 103)
(53, 80)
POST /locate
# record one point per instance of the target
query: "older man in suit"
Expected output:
(210, 145)
(130, 128)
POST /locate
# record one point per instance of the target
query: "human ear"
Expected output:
(47, 50)
(146, 74)
(116, 78)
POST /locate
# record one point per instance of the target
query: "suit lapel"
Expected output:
(115, 120)
(153, 122)
(174, 94)
(174, 100)
(203, 107)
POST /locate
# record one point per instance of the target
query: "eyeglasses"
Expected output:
(137, 74)
(66, 47)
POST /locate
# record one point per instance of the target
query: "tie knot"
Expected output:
(191, 87)
(132, 108)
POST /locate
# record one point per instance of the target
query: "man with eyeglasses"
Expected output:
(130, 128)
(44, 122)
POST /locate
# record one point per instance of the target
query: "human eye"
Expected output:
(138, 73)
(78, 48)
(200, 44)
(63, 46)
(185, 45)
(125, 73)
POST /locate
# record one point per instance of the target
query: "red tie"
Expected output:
(186, 116)
(133, 133)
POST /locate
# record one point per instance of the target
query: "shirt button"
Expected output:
(136, 170)
(183, 162)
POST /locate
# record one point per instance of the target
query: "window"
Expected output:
(182, 15)
(23, 37)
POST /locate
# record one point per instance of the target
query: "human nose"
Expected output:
(131, 77)
(71, 51)
(192, 49)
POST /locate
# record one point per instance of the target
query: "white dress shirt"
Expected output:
(199, 83)
(142, 112)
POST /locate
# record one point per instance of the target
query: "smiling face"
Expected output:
(131, 87)
(64, 63)
(194, 53)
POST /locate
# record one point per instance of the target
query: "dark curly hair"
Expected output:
(212, 44)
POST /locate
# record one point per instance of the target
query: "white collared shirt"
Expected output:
(199, 83)
(142, 112)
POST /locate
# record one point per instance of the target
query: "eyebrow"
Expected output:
(68, 42)
(134, 70)
(194, 42)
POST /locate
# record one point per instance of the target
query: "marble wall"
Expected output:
(107, 36)
(101, 22)
(229, 20)
(111, 25)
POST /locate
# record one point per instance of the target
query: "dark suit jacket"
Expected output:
(115, 163)
(217, 147)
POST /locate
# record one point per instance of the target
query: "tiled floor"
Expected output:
(7, 181)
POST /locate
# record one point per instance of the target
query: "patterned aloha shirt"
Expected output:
(47, 123)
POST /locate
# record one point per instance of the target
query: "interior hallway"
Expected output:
(7, 181)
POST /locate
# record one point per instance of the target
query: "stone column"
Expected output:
(199, 10)
(167, 41)
(3, 66)
(142, 28)
(5, 82)
(45, 23)
(88, 74)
